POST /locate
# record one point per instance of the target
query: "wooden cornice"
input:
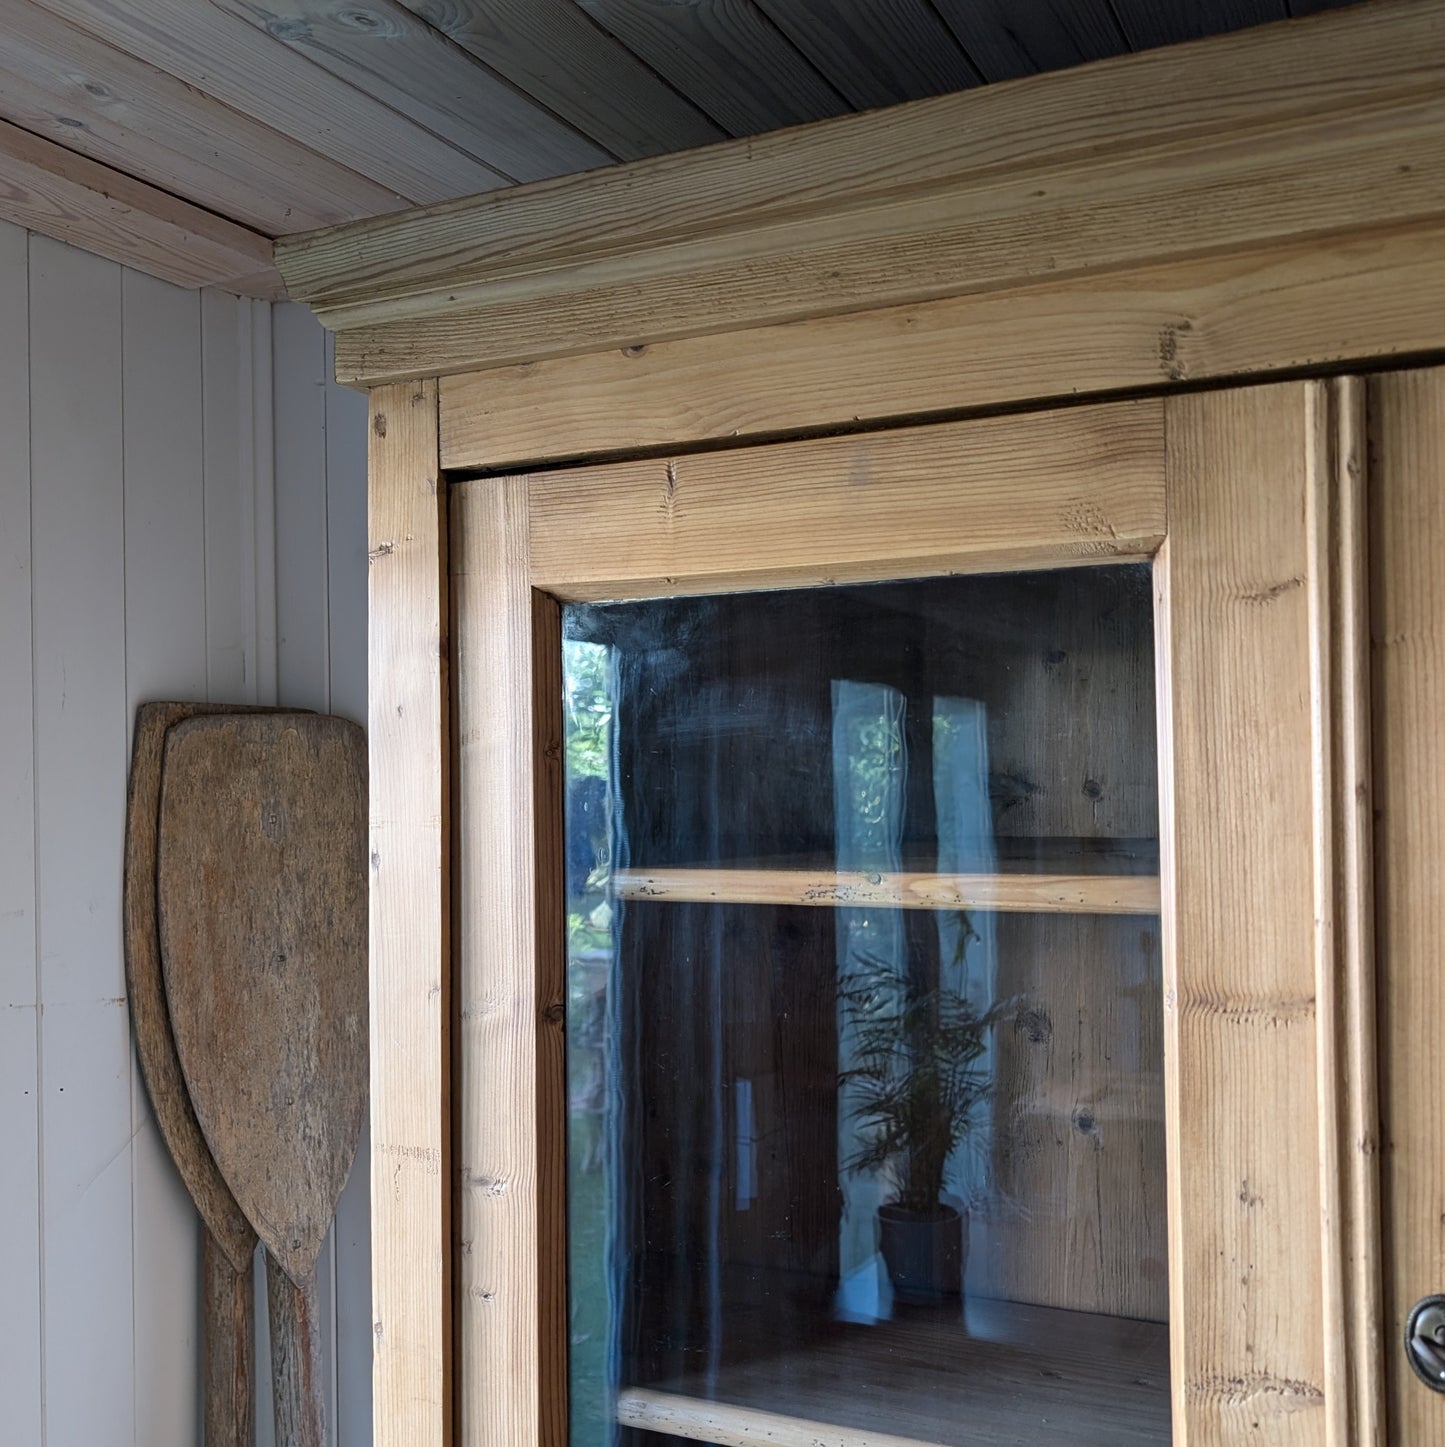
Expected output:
(1328, 127)
(56, 192)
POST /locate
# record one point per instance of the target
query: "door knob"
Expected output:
(1425, 1341)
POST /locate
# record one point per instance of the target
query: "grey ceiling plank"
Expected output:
(1150, 23)
(727, 57)
(876, 52)
(1009, 38)
(555, 52)
(59, 82)
(382, 49)
(232, 62)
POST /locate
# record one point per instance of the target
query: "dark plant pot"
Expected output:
(925, 1254)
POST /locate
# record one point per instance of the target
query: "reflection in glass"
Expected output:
(864, 1014)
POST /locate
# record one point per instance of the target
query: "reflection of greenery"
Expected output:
(587, 700)
(915, 1086)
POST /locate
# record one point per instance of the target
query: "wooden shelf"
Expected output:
(1013, 1375)
(1015, 892)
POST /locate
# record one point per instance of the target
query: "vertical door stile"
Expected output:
(1240, 995)
(510, 1227)
(1407, 517)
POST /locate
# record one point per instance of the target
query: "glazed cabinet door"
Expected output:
(913, 952)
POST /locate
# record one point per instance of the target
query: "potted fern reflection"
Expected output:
(914, 1086)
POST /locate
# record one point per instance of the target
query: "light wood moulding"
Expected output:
(1283, 308)
(1124, 163)
(1021, 893)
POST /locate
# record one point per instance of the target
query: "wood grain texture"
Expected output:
(408, 709)
(1147, 24)
(145, 985)
(1295, 179)
(1010, 38)
(511, 1286)
(68, 197)
(1019, 893)
(1239, 963)
(1017, 1371)
(262, 908)
(1407, 627)
(552, 50)
(218, 55)
(1001, 493)
(726, 57)
(295, 1319)
(383, 50)
(1280, 308)
(875, 54)
(1345, 987)
(228, 1347)
(58, 81)
(1357, 58)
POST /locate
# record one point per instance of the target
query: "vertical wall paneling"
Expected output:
(166, 656)
(139, 479)
(20, 1120)
(346, 422)
(78, 597)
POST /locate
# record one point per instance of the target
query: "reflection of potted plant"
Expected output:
(914, 1085)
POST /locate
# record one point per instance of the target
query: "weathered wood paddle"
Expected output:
(262, 903)
(227, 1294)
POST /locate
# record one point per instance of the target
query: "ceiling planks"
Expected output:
(63, 84)
(49, 189)
(235, 63)
(1010, 38)
(728, 56)
(1147, 23)
(285, 116)
(876, 52)
(383, 50)
(554, 51)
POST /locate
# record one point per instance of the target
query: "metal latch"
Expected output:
(1425, 1341)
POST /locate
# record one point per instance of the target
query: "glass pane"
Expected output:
(865, 1025)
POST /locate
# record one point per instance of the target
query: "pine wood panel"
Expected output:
(1241, 1053)
(726, 57)
(86, 95)
(220, 56)
(1002, 493)
(1009, 38)
(1025, 893)
(410, 913)
(508, 871)
(71, 198)
(1295, 179)
(1280, 308)
(1407, 484)
(386, 52)
(553, 51)
(875, 54)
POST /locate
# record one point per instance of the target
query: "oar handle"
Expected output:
(295, 1357)
(228, 1300)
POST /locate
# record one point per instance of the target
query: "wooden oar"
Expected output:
(262, 903)
(228, 1310)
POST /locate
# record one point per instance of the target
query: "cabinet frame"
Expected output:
(1249, 503)
(499, 305)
